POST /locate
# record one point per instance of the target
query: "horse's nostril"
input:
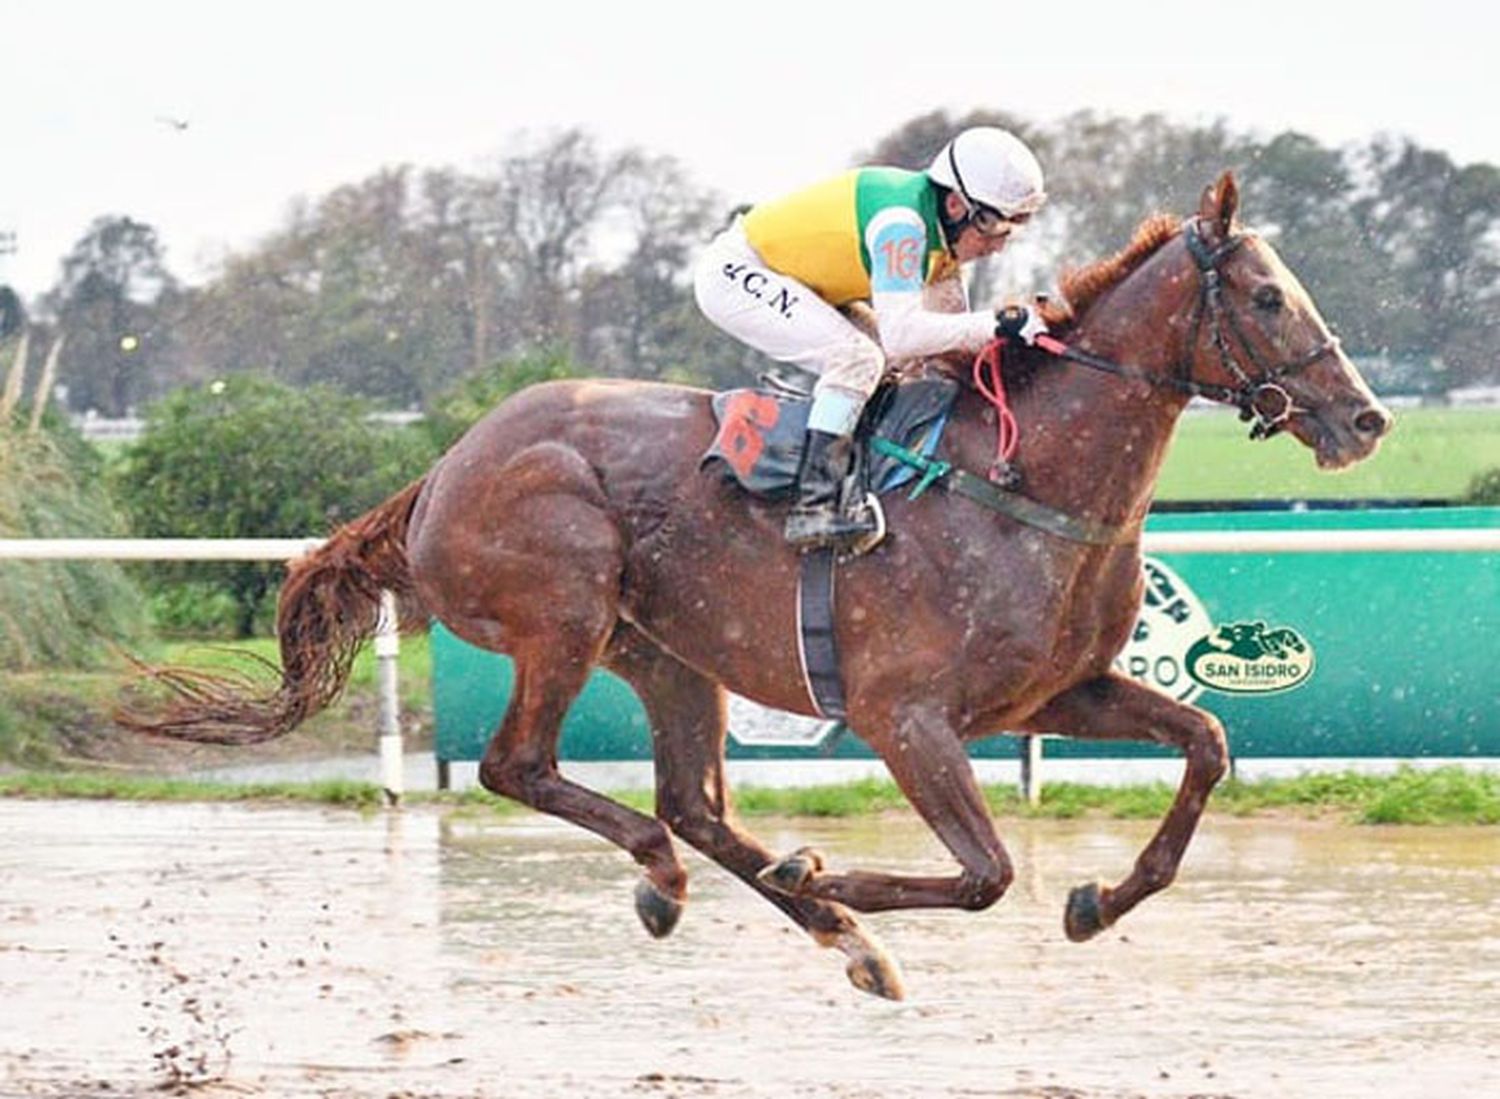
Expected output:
(1373, 421)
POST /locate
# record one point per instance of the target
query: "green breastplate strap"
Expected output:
(1023, 509)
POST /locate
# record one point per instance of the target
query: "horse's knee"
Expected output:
(703, 830)
(695, 830)
(512, 778)
(982, 888)
(1209, 750)
(1155, 873)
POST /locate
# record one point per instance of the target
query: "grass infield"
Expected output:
(1432, 453)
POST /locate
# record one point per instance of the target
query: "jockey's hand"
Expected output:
(1016, 322)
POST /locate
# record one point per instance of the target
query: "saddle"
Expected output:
(759, 446)
(761, 432)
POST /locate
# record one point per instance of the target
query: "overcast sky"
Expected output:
(287, 99)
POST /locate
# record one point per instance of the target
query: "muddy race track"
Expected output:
(296, 952)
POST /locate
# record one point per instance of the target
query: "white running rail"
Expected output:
(387, 636)
(1450, 540)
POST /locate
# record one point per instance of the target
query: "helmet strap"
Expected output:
(951, 226)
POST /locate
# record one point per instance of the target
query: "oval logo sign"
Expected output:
(1251, 658)
(1171, 619)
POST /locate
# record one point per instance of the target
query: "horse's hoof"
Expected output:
(792, 873)
(1084, 918)
(657, 911)
(877, 975)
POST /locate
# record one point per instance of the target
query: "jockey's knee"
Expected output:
(855, 366)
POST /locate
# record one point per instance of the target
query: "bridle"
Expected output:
(1262, 398)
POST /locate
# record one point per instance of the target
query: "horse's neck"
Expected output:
(1091, 443)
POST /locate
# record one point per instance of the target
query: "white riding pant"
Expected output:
(781, 317)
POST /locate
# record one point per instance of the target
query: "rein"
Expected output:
(989, 382)
(1261, 399)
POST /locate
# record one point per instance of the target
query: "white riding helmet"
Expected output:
(993, 167)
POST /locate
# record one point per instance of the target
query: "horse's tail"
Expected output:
(329, 606)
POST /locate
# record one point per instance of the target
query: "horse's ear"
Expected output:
(1220, 202)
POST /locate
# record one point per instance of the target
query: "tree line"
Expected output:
(398, 287)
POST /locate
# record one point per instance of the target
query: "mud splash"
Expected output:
(288, 952)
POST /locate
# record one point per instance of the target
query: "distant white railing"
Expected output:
(156, 549)
(387, 644)
(1449, 540)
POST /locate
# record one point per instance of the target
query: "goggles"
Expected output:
(991, 222)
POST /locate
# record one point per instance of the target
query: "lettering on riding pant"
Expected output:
(758, 285)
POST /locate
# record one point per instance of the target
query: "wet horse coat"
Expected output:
(572, 528)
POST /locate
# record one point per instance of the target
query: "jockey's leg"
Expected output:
(781, 317)
(823, 512)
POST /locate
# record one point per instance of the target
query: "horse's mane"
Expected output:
(1083, 286)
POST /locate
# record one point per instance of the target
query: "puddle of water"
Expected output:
(337, 955)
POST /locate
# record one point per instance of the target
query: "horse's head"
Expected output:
(1257, 340)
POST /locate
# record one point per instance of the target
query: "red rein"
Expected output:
(991, 386)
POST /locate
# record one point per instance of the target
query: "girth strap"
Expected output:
(816, 643)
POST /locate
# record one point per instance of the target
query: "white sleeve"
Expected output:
(896, 241)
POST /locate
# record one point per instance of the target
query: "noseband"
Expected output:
(1262, 398)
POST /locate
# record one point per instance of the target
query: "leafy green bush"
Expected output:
(251, 458)
(1484, 488)
(60, 613)
(195, 608)
(458, 408)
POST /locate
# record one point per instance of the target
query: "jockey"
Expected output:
(775, 279)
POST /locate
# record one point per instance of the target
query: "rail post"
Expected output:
(1031, 768)
(387, 654)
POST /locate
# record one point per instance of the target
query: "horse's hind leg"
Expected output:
(526, 560)
(521, 763)
(687, 717)
(1113, 707)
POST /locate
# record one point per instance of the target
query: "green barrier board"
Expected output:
(1300, 654)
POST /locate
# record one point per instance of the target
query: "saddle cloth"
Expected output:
(761, 432)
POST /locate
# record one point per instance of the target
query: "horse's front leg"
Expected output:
(1113, 707)
(928, 761)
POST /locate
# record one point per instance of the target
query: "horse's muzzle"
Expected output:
(1342, 434)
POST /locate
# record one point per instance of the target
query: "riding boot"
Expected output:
(820, 517)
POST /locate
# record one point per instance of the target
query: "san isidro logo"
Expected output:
(1177, 648)
(1251, 658)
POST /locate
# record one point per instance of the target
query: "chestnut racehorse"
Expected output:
(572, 527)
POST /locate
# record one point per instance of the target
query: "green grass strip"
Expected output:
(1444, 796)
(112, 787)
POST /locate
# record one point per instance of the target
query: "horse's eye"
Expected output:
(1268, 298)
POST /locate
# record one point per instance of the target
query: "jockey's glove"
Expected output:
(1016, 322)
